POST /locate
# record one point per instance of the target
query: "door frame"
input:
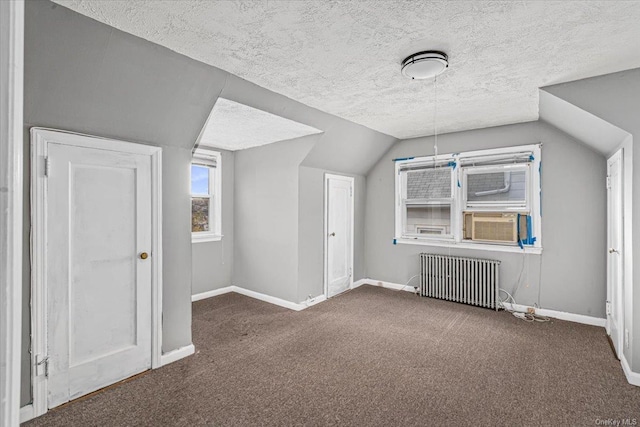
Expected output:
(619, 309)
(40, 138)
(11, 212)
(351, 181)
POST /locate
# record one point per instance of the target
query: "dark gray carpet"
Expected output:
(371, 356)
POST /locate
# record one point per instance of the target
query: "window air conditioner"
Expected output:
(494, 227)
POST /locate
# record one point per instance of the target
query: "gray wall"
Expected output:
(311, 231)
(573, 200)
(212, 262)
(266, 217)
(342, 147)
(86, 77)
(616, 99)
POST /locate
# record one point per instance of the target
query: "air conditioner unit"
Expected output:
(494, 227)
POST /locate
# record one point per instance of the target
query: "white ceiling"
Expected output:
(343, 57)
(233, 126)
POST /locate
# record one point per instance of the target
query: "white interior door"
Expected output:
(98, 275)
(338, 233)
(615, 244)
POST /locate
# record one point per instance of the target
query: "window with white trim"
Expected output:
(206, 200)
(487, 199)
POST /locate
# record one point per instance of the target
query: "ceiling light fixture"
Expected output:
(425, 65)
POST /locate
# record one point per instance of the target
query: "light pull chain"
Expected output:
(435, 117)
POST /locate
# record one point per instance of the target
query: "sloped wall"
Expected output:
(86, 77)
(616, 99)
(569, 275)
(343, 147)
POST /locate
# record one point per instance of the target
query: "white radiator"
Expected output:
(465, 280)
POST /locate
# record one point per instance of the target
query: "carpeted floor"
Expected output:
(369, 357)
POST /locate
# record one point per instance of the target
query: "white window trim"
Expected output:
(487, 206)
(459, 201)
(207, 157)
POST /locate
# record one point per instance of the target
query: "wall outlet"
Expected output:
(531, 310)
(626, 338)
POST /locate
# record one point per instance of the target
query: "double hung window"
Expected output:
(488, 199)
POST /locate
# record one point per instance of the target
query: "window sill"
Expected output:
(202, 238)
(477, 246)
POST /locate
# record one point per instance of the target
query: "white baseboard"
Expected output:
(632, 377)
(313, 301)
(388, 285)
(26, 413)
(213, 293)
(177, 354)
(359, 283)
(262, 297)
(268, 298)
(571, 317)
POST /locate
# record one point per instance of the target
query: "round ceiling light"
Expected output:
(424, 65)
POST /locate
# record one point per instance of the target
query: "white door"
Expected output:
(98, 276)
(614, 256)
(339, 233)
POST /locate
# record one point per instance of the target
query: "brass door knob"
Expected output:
(144, 255)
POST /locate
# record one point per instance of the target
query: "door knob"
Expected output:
(333, 234)
(611, 251)
(144, 255)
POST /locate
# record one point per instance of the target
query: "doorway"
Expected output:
(615, 244)
(339, 233)
(96, 280)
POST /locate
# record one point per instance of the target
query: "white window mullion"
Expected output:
(504, 181)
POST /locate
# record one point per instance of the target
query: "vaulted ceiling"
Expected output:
(343, 57)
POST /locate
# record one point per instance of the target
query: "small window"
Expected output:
(205, 196)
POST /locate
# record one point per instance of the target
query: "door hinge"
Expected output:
(608, 308)
(608, 182)
(350, 191)
(42, 365)
(46, 166)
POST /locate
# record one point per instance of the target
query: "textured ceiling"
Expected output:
(343, 57)
(234, 126)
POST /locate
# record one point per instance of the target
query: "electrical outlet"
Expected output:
(531, 310)
(626, 338)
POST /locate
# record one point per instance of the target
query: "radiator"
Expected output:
(465, 280)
